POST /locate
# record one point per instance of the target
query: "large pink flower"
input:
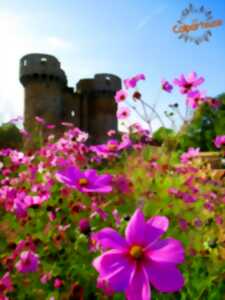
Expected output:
(130, 264)
(87, 181)
(189, 82)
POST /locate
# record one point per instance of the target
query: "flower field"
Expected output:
(121, 220)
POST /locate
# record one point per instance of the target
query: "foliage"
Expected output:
(206, 124)
(10, 136)
(162, 134)
(142, 177)
(55, 199)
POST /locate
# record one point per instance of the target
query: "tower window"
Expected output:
(43, 60)
(107, 80)
(72, 113)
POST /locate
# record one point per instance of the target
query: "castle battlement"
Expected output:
(41, 66)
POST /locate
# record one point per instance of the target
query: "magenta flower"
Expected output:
(166, 86)
(39, 120)
(84, 226)
(219, 141)
(28, 262)
(50, 126)
(187, 84)
(215, 103)
(121, 96)
(5, 285)
(195, 98)
(111, 148)
(58, 283)
(132, 82)
(67, 124)
(111, 132)
(140, 258)
(191, 153)
(87, 181)
(123, 113)
(45, 277)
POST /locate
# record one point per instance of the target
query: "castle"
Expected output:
(90, 106)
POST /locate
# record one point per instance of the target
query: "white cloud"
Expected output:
(16, 41)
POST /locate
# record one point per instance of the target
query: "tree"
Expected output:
(206, 124)
(10, 136)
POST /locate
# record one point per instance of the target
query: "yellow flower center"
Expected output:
(83, 181)
(112, 147)
(136, 252)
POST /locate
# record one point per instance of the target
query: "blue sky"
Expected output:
(124, 37)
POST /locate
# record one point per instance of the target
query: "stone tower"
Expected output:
(97, 104)
(91, 107)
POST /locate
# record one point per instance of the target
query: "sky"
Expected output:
(122, 37)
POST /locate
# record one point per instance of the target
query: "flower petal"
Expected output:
(108, 238)
(115, 269)
(104, 180)
(165, 277)
(159, 222)
(91, 173)
(135, 231)
(68, 176)
(168, 250)
(139, 288)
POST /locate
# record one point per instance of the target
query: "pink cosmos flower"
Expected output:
(123, 113)
(39, 120)
(123, 184)
(67, 124)
(120, 96)
(96, 210)
(5, 285)
(166, 86)
(28, 262)
(111, 148)
(183, 224)
(191, 153)
(84, 226)
(87, 181)
(24, 132)
(130, 264)
(215, 103)
(111, 132)
(45, 277)
(58, 283)
(132, 82)
(195, 98)
(116, 216)
(188, 83)
(50, 126)
(219, 141)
